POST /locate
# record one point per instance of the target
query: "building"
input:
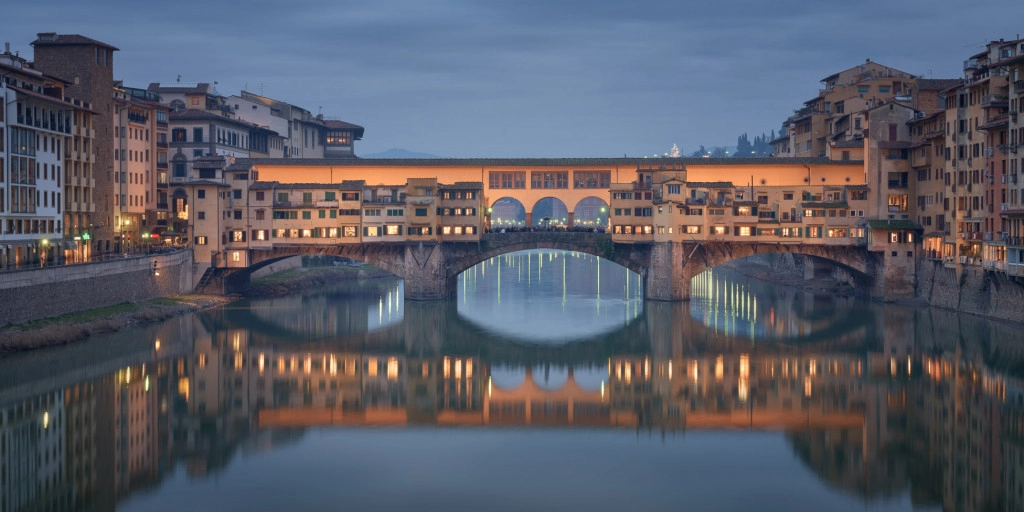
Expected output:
(836, 113)
(45, 166)
(88, 65)
(1011, 206)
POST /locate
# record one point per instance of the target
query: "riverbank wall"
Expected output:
(970, 290)
(27, 295)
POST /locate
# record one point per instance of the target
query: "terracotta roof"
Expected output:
(937, 84)
(53, 39)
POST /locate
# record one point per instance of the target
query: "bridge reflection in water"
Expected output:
(895, 394)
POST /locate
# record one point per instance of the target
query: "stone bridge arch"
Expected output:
(692, 258)
(630, 256)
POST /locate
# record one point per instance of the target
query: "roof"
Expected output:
(709, 184)
(54, 39)
(342, 125)
(528, 162)
(464, 185)
(937, 84)
(892, 224)
(202, 115)
(853, 143)
(857, 187)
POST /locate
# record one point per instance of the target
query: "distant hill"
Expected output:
(399, 153)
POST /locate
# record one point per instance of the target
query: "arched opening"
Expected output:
(590, 212)
(548, 296)
(550, 213)
(779, 296)
(507, 213)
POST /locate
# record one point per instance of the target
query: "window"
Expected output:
(393, 229)
(673, 188)
(692, 230)
(554, 179)
(201, 194)
(395, 212)
(197, 133)
(329, 196)
(260, 195)
(371, 212)
(322, 214)
(238, 214)
(507, 179)
(349, 231)
(236, 194)
(200, 240)
(306, 215)
(201, 215)
(282, 197)
(178, 135)
(421, 212)
(592, 179)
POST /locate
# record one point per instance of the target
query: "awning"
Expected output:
(70, 244)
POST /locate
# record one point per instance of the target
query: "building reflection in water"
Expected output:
(895, 405)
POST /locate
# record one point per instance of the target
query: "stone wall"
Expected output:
(32, 294)
(974, 291)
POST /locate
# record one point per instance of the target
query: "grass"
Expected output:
(75, 326)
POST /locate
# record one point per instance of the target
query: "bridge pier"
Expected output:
(668, 275)
(426, 273)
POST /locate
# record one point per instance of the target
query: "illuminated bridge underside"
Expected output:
(430, 270)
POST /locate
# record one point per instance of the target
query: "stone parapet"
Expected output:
(32, 294)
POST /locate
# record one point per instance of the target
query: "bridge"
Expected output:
(430, 270)
(429, 220)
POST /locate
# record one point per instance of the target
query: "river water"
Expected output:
(548, 384)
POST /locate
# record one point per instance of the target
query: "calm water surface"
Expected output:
(548, 384)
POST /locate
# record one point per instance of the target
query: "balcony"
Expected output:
(994, 100)
(161, 145)
(1018, 85)
(326, 204)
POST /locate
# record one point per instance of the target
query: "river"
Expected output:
(547, 384)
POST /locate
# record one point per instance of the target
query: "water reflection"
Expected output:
(915, 405)
(549, 296)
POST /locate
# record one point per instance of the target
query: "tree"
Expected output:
(674, 152)
(699, 153)
(743, 147)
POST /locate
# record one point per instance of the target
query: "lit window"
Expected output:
(394, 230)
(236, 256)
(446, 230)
(744, 230)
(458, 230)
(718, 230)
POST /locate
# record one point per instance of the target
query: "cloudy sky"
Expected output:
(527, 78)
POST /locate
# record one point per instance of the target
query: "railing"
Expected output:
(1014, 269)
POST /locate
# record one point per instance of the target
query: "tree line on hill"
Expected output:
(745, 148)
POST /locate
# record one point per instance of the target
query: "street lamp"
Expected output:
(44, 245)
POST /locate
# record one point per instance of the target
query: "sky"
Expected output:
(527, 78)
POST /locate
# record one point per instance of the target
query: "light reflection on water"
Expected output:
(278, 402)
(549, 296)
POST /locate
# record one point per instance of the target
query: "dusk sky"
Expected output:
(527, 78)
